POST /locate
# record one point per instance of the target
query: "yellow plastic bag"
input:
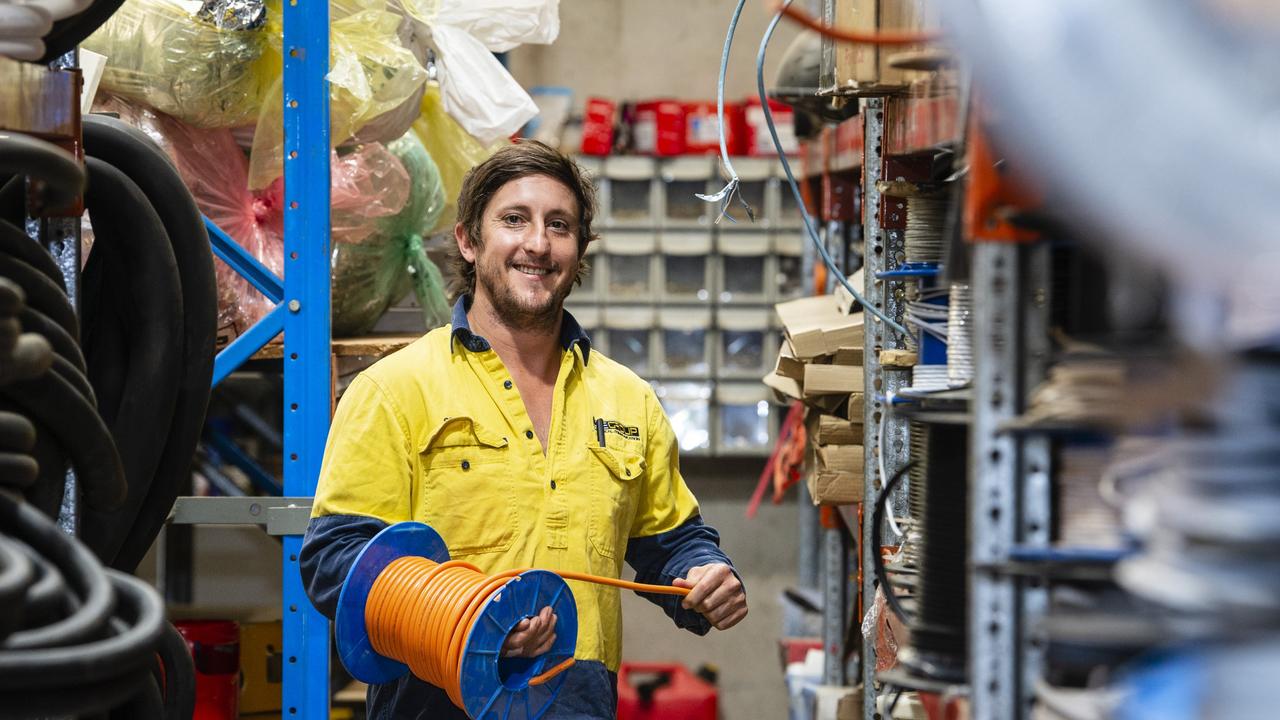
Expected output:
(371, 73)
(453, 149)
(162, 56)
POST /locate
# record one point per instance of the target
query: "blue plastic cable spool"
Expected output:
(492, 686)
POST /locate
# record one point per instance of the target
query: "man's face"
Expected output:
(528, 257)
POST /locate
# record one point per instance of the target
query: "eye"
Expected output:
(559, 225)
(512, 219)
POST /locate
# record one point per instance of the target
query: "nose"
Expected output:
(537, 240)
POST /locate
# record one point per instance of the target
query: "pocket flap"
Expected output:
(461, 431)
(624, 465)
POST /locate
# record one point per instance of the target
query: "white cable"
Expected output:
(884, 420)
(729, 191)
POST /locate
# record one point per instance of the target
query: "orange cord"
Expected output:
(420, 612)
(862, 37)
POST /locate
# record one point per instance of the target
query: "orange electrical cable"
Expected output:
(420, 612)
(863, 37)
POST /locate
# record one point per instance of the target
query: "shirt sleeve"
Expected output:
(366, 481)
(668, 537)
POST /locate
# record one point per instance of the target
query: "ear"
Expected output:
(464, 243)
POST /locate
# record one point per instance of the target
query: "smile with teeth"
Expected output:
(532, 270)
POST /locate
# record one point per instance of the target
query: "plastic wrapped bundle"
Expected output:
(202, 68)
(372, 271)
(371, 75)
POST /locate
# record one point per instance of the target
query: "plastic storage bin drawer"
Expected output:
(680, 181)
(747, 346)
(744, 419)
(630, 333)
(627, 259)
(629, 192)
(745, 267)
(685, 342)
(685, 266)
(688, 406)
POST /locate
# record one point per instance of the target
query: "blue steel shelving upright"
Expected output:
(302, 312)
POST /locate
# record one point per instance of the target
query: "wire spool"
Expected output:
(938, 635)
(374, 650)
(923, 239)
(960, 335)
(919, 448)
(929, 378)
(1085, 520)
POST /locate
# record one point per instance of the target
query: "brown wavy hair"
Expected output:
(482, 182)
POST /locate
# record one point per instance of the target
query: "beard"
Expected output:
(540, 314)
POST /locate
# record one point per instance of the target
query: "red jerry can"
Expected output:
(664, 691)
(215, 648)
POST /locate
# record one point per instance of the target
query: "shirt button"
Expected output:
(553, 484)
(507, 384)
(528, 434)
(466, 464)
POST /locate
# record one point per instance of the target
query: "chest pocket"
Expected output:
(614, 496)
(467, 493)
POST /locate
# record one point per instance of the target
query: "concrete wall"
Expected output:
(639, 49)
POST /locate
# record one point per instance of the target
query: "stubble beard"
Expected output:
(517, 314)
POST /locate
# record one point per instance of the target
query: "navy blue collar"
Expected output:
(570, 331)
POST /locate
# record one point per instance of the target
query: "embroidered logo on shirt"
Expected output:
(603, 426)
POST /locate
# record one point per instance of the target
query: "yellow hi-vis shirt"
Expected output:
(438, 433)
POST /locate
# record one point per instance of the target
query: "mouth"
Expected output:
(532, 270)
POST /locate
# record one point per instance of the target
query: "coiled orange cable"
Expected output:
(420, 612)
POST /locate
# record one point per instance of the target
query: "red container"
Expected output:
(758, 140)
(701, 129)
(597, 126)
(659, 128)
(215, 647)
(664, 691)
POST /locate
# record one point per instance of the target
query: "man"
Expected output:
(519, 444)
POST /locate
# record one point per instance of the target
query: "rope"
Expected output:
(420, 613)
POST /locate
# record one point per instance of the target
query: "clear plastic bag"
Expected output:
(161, 55)
(371, 74)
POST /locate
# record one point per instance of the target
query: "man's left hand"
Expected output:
(716, 593)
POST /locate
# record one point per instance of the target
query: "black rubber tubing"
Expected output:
(43, 294)
(48, 597)
(52, 667)
(70, 32)
(129, 231)
(146, 703)
(25, 155)
(60, 703)
(135, 154)
(89, 584)
(79, 431)
(179, 675)
(877, 519)
(15, 242)
(63, 344)
(16, 575)
(16, 433)
(73, 376)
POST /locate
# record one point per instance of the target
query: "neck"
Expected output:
(534, 349)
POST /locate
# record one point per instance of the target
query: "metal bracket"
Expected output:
(278, 515)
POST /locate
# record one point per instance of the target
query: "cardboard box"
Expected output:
(847, 356)
(832, 379)
(834, 430)
(815, 326)
(838, 476)
(788, 366)
(260, 667)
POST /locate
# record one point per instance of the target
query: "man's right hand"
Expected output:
(531, 637)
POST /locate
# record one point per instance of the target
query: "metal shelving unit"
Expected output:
(883, 248)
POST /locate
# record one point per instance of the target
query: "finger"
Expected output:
(732, 620)
(707, 584)
(699, 590)
(719, 614)
(729, 589)
(545, 647)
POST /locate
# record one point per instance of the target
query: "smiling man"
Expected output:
(524, 447)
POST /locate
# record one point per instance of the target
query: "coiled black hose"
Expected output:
(130, 244)
(137, 156)
(70, 32)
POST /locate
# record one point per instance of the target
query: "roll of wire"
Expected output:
(960, 335)
(420, 612)
(923, 240)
